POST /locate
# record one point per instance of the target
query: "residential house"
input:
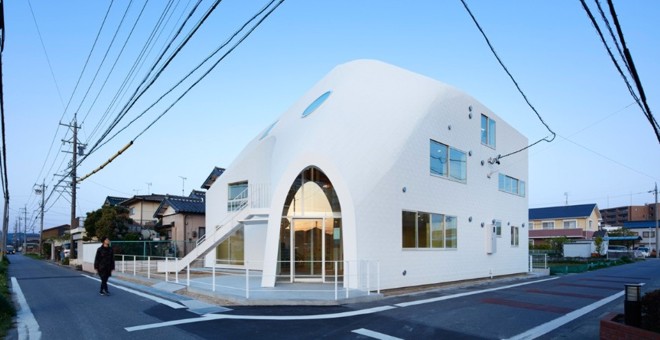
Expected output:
(141, 208)
(113, 200)
(375, 169)
(576, 222)
(182, 220)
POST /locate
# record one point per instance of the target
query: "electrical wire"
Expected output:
(492, 49)
(633, 71)
(223, 45)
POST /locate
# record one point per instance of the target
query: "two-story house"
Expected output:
(571, 221)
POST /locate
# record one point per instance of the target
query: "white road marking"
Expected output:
(144, 295)
(556, 323)
(28, 327)
(447, 297)
(209, 317)
(375, 335)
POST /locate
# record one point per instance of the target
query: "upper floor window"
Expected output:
(448, 162)
(511, 185)
(570, 224)
(548, 225)
(487, 131)
(237, 195)
(498, 228)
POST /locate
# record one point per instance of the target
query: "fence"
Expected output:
(241, 281)
(538, 261)
(169, 248)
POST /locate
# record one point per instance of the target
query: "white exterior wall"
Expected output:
(371, 138)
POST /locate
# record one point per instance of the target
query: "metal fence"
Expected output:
(538, 261)
(241, 281)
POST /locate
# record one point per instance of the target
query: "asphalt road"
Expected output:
(66, 304)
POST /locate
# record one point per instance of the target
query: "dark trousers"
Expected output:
(104, 281)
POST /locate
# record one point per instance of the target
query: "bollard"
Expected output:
(213, 270)
(188, 275)
(167, 269)
(134, 265)
(632, 308)
(148, 267)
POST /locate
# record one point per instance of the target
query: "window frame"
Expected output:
(488, 137)
(515, 236)
(498, 227)
(506, 183)
(446, 170)
(447, 232)
(543, 225)
(571, 220)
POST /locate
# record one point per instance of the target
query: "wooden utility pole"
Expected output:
(656, 213)
(41, 190)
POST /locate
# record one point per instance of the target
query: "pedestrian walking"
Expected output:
(104, 264)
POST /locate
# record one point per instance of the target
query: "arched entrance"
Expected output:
(311, 230)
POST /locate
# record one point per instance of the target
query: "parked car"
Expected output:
(642, 252)
(10, 249)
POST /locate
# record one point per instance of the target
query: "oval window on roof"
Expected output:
(315, 104)
(267, 131)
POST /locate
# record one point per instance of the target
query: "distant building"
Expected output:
(215, 173)
(571, 221)
(620, 215)
(113, 200)
(141, 208)
(182, 220)
(645, 229)
(55, 232)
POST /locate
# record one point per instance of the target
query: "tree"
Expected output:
(108, 221)
(599, 244)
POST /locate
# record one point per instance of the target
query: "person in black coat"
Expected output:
(104, 264)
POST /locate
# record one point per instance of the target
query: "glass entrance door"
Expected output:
(308, 249)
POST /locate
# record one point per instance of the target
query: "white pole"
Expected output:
(346, 275)
(188, 275)
(378, 268)
(368, 278)
(213, 271)
(247, 281)
(176, 269)
(122, 264)
(531, 258)
(335, 280)
(134, 264)
(167, 269)
(148, 267)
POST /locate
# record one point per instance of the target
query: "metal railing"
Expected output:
(244, 282)
(538, 261)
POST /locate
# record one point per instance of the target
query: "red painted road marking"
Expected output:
(549, 292)
(588, 286)
(526, 305)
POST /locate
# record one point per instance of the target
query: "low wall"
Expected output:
(612, 330)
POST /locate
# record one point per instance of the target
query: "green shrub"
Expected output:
(7, 311)
(651, 311)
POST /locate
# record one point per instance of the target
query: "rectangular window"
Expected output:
(531, 225)
(451, 238)
(425, 230)
(409, 222)
(515, 236)
(548, 225)
(570, 224)
(511, 185)
(646, 234)
(437, 231)
(487, 131)
(457, 165)
(237, 196)
(448, 162)
(498, 228)
(438, 159)
(231, 251)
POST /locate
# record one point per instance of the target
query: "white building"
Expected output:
(383, 170)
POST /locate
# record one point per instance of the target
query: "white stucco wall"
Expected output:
(371, 138)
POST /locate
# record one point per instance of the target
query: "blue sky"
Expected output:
(605, 151)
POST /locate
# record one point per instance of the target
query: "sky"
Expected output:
(605, 151)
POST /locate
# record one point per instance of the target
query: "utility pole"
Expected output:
(149, 188)
(25, 222)
(41, 190)
(74, 179)
(655, 212)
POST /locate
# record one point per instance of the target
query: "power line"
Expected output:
(43, 46)
(492, 49)
(247, 34)
(633, 71)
